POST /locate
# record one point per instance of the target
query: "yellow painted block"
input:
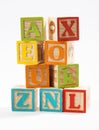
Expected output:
(27, 52)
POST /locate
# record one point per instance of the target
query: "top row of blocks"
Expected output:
(59, 29)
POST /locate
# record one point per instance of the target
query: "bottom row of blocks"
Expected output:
(51, 99)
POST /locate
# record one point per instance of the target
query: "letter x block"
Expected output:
(58, 53)
(32, 28)
(68, 28)
(24, 99)
(66, 76)
(37, 76)
(29, 52)
(51, 100)
(74, 100)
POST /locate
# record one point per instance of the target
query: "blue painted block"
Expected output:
(23, 99)
(51, 100)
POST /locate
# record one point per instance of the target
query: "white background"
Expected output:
(86, 54)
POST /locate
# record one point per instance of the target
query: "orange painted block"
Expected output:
(58, 53)
(37, 76)
(74, 100)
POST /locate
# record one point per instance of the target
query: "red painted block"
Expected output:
(68, 28)
(74, 100)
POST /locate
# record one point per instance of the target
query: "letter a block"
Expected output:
(51, 100)
(74, 100)
(68, 28)
(32, 29)
(58, 53)
(66, 76)
(37, 76)
(24, 99)
(30, 52)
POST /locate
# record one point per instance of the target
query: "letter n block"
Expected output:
(37, 76)
(29, 52)
(74, 100)
(32, 28)
(51, 100)
(58, 53)
(66, 76)
(68, 28)
(24, 99)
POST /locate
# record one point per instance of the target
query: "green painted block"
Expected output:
(68, 76)
(32, 28)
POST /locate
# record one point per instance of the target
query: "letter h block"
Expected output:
(24, 99)
(37, 76)
(32, 28)
(51, 100)
(57, 53)
(66, 76)
(74, 100)
(29, 52)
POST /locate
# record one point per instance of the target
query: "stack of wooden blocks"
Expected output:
(48, 53)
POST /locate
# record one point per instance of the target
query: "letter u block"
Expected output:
(62, 28)
(37, 76)
(24, 99)
(32, 28)
(57, 53)
(51, 100)
(74, 100)
(29, 52)
(66, 76)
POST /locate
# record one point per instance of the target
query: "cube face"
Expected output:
(68, 28)
(23, 99)
(51, 100)
(37, 76)
(27, 52)
(55, 52)
(51, 29)
(68, 76)
(74, 100)
(32, 28)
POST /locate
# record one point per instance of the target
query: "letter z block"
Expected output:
(32, 29)
(66, 76)
(58, 53)
(51, 100)
(24, 99)
(37, 76)
(68, 28)
(30, 52)
(74, 100)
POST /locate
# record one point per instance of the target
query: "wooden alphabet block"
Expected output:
(74, 100)
(68, 28)
(66, 76)
(58, 53)
(24, 99)
(37, 76)
(32, 28)
(29, 52)
(51, 100)
(51, 28)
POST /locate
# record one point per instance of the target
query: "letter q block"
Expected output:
(29, 52)
(24, 99)
(57, 53)
(32, 28)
